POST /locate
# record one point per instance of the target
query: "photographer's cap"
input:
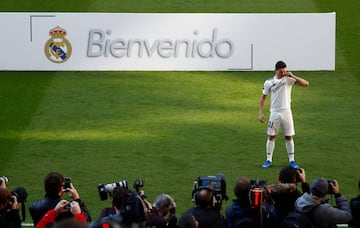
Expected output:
(320, 187)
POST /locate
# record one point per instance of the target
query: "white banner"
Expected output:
(206, 42)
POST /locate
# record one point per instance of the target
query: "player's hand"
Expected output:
(261, 117)
(289, 74)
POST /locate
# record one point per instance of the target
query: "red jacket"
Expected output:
(51, 215)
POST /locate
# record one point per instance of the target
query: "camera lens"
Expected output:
(4, 178)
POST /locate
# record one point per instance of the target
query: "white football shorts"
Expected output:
(283, 119)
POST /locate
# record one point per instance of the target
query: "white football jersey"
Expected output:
(280, 92)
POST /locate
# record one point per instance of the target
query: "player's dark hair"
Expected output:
(287, 175)
(53, 183)
(279, 65)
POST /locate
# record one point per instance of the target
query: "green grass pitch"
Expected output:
(170, 127)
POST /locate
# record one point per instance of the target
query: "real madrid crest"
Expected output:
(57, 48)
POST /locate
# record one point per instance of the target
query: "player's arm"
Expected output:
(261, 108)
(299, 81)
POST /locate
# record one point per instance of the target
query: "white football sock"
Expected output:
(270, 146)
(290, 148)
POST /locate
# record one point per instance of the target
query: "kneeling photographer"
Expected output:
(208, 194)
(316, 205)
(285, 193)
(10, 203)
(248, 209)
(9, 210)
(163, 206)
(129, 207)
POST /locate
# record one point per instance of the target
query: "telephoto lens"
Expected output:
(4, 178)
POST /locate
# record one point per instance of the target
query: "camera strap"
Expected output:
(23, 211)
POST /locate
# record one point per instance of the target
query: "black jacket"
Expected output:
(39, 208)
(284, 202)
(355, 208)
(240, 214)
(207, 217)
(10, 219)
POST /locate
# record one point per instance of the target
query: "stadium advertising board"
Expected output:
(146, 41)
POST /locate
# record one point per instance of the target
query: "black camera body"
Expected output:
(330, 188)
(67, 182)
(67, 206)
(216, 184)
(20, 193)
(21, 196)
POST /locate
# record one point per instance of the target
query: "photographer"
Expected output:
(285, 193)
(241, 213)
(54, 190)
(63, 206)
(116, 212)
(355, 208)
(320, 211)
(205, 213)
(163, 205)
(9, 210)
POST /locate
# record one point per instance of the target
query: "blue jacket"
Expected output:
(240, 214)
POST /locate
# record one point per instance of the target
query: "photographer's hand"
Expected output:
(173, 210)
(15, 204)
(301, 174)
(60, 207)
(3, 185)
(75, 208)
(73, 192)
(335, 187)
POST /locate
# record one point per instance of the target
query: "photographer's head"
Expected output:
(5, 198)
(119, 195)
(288, 175)
(320, 187)
(242, 187)
(53, 184)
(204, 198)
(163, 204)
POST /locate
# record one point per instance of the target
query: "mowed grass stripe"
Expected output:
(20, 95)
